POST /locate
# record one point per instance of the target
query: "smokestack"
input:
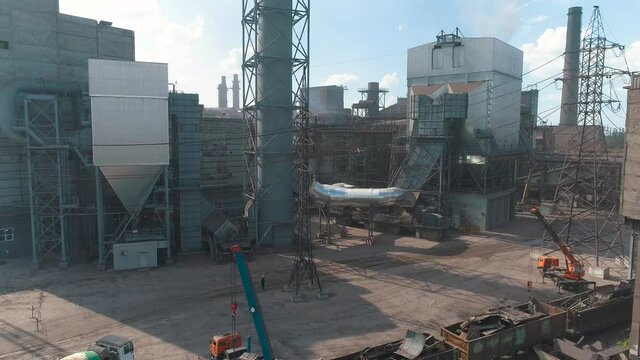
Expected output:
(222, 93)
(235, 91)
(274, 137)
(373, 95)
(571, 71)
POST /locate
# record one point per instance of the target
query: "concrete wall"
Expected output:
(46, 44)
(631, 172)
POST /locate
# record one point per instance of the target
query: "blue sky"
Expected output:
(357, 41)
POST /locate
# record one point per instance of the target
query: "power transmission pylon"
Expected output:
(587, 196)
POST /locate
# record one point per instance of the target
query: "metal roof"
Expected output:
(113, 340)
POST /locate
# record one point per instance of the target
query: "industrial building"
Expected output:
(47, 189)
(104, 162)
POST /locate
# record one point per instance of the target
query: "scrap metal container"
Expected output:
(596, 310)
(414, 346)
(509, 340)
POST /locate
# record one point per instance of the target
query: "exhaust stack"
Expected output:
(235, 91)
(571, 71)
(222, 93)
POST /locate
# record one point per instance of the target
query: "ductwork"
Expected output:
(346, 195)
(9, 91)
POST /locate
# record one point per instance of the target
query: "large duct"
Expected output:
(235, 91)
(345, 195)
(222, 93)
(274, 157)
(9, 91)
(571, 71)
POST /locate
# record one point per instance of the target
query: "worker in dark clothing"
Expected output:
(263, 282)
(234, 308)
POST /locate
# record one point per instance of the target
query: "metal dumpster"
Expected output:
(547, 322)
(415, 346)
(598, 309)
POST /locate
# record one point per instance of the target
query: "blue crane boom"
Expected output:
(252, 302)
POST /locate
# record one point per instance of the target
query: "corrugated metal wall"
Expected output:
(187, 113)
(223, 166)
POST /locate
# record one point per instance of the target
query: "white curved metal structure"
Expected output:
(347, 195)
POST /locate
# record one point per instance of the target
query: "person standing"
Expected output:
(263, 282)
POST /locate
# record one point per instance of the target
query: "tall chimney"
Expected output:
(222, 93)
(235, 90)
(571, 71)
(373, 95)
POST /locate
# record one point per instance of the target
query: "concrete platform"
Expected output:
(377, 292)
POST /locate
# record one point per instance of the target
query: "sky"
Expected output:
(357, 41)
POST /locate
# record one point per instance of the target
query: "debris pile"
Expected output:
(598, 297)
(497, 320)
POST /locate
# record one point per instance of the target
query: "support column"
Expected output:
(633, 241)
(61, 157)
(100, 219)
(167, 226)
(634, 338)
(32, 210)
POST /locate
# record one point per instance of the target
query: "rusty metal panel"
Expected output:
(582, 320)
(510, 340)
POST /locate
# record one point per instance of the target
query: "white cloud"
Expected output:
(546, 47)
(160, 38)
(538, 18)
(499, 18)
(390, 80)
(340, 79)
(232, 63)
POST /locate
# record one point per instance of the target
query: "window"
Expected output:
(4, 45)
(6, 234)
(128, 347)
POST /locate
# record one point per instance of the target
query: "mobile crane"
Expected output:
(549, 265)
(230, 345)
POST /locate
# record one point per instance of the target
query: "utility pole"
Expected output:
(587, 198)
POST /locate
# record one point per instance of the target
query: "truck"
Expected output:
(110, 347)
(571, 277)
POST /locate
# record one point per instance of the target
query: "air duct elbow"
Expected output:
(345, 195)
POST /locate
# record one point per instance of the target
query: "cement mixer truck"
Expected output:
(110, 347)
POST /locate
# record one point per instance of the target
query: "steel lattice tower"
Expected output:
(258, 14)
(587, 196)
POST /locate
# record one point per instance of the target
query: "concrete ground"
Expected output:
(171, 312)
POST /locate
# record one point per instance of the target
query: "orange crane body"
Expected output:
(574, 268)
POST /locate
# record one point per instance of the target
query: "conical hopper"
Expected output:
(132, 183)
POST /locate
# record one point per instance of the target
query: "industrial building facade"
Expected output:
(466, 97)
(69, 189)
(44, 51)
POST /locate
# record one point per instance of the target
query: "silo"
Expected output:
(130, 126)
(571, 71)
(274, 157)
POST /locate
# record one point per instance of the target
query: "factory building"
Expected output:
(464, 124)
(43, 76)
